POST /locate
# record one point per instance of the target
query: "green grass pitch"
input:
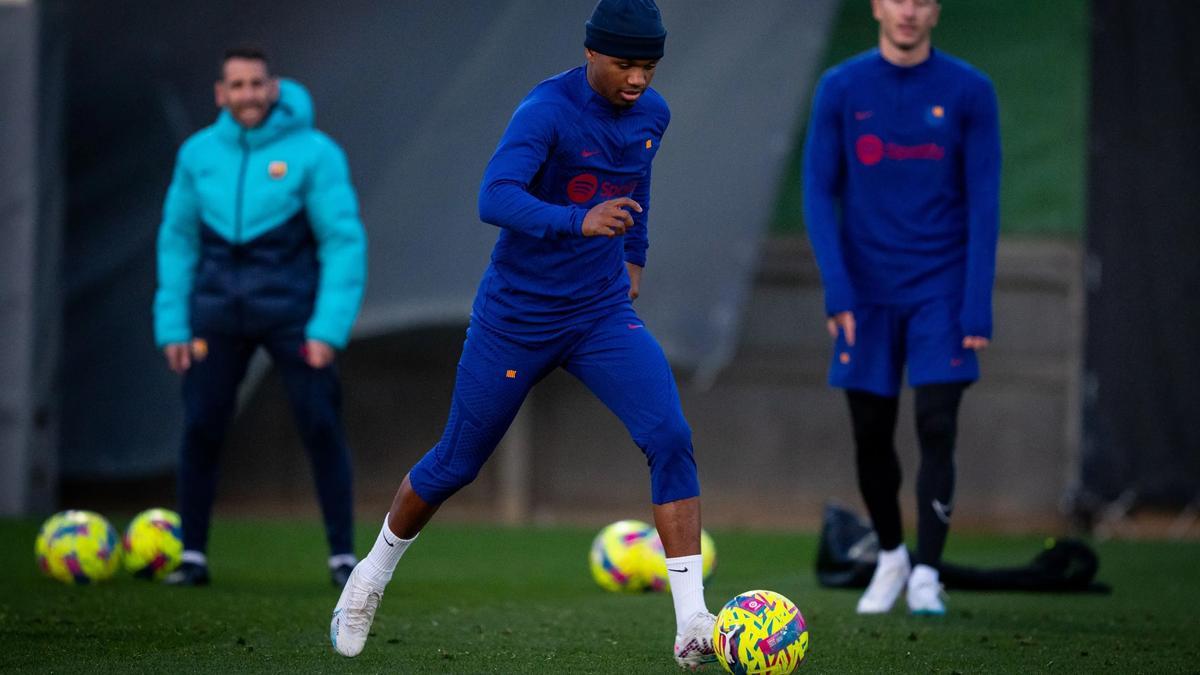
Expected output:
(476, 599)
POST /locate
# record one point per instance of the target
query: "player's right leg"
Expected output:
(874, 421)
(869, 371)
(209, 394)
(495, 374)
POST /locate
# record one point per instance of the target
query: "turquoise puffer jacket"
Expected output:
(260, 231)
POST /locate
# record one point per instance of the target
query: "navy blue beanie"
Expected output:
(626, 29)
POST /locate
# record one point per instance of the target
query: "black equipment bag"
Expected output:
(849, 548)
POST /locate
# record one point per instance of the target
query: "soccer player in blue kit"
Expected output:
(904, 142)
(569, 188)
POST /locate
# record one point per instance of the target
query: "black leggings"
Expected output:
(879, 475)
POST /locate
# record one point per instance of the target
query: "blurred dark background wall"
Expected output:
(31, 195)
(418, 97)
(1141, 440)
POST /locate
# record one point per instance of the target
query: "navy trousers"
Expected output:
(209, 395)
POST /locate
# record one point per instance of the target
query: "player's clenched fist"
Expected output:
(610, 218)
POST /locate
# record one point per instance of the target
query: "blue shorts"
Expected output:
(926, 338)
(616, 357)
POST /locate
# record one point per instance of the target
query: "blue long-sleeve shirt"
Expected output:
(901, 185)
(566, 149)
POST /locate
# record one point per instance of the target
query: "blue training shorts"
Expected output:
(616, 357)
(926, 338)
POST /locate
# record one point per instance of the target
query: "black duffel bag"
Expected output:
(849, 548)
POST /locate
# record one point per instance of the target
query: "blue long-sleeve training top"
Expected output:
(565, 150)
(901, 185)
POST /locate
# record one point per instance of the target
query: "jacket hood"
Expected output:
(291, 113)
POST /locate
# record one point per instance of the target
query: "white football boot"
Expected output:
(891, 574)
(925, 593)
(353, 614)
(694, 646)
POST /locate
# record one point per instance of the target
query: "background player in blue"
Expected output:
(904, 143)
(569, 188)
(260, 246)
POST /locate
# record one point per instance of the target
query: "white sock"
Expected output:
(381, 561)
(923, 574)
(686, 575)
(336, 561)
(895, 557)
(194, 557)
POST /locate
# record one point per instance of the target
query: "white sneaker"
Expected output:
(925, 593)
(694, 646)
(886, 583)
(353, 614)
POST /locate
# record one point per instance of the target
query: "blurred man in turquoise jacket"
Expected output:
(260, 246)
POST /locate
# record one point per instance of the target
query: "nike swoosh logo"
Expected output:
(385, 540)
(677, 571)
(589, 153)
(633, 326)
(942, 511)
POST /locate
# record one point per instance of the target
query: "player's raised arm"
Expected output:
(504, 198)
(611, 218)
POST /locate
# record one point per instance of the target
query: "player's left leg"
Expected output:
(937, 426)
(937, 415)
(939, 370)
(315, 396)
(622, 363)
(678, 522)
(495, 373)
